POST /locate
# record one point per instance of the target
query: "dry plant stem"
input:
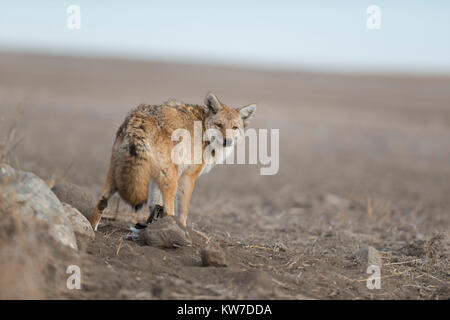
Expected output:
(8, 145)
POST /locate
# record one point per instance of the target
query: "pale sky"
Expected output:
(327, 35)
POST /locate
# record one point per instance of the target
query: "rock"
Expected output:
(76, 196)
(213, 257)
(166, 232)
(369, 255)
(34, 199)
(32, 264)
(80, 224)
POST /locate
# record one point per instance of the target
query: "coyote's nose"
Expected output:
(227, 142)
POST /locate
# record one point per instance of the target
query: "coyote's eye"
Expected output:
(218, 125)
(235, 128)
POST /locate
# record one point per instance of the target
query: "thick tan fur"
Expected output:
(142, 151)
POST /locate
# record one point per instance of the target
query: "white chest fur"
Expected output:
(220, 155)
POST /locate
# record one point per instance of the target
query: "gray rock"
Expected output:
(80, 224)
(166, 232)
(213, 257)
(369, 255)
(34, 199)
(76, 196)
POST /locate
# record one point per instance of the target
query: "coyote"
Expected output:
(142, 166)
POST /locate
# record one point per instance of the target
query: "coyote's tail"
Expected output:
(132, 165)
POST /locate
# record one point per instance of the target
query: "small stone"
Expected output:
(213, 257)
(166, 232)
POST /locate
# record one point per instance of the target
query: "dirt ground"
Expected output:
(364, 160)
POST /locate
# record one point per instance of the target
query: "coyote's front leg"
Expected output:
(186, 185)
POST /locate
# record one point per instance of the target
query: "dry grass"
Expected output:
(10, 142)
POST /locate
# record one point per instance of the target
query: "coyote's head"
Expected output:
(225, 125)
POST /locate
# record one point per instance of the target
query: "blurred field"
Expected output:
(364, 159)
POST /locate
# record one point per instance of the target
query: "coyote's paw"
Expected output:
(157, 212)
(134, 235)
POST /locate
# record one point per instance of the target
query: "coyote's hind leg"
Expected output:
(102, 203)
(156, 201)
(156, 212)
(155, 204)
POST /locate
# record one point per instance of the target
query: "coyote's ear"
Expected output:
(212, 103)
(247, 112)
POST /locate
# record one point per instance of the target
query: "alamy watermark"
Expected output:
(220, 150)
(374, 280)
(73, 21)
(373, 21)
(74, 280)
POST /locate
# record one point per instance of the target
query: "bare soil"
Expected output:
(364, 160)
